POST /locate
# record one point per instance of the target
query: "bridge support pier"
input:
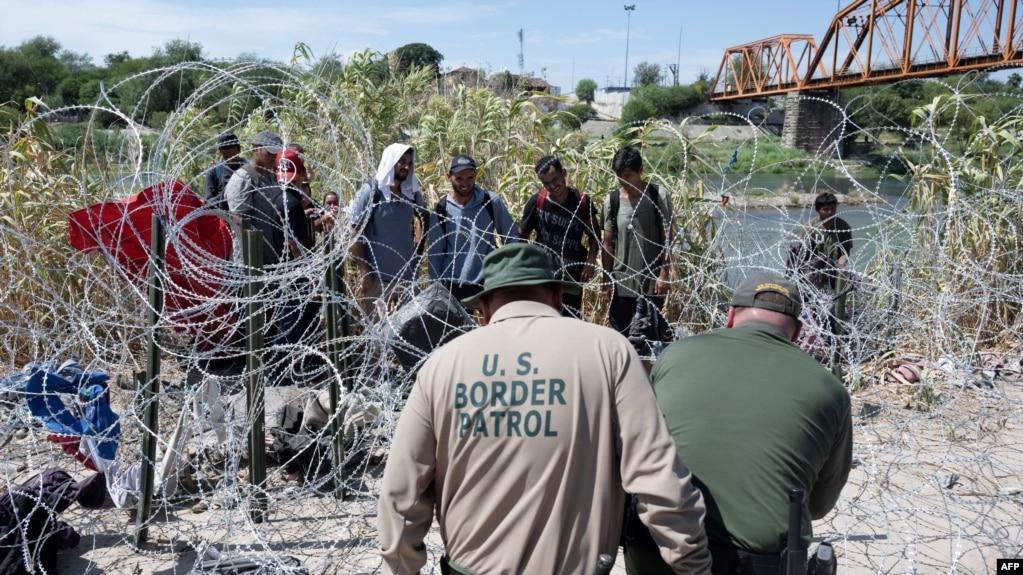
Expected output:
(813, 120)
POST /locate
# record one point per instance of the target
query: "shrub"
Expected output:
(572, 118)
(648, 102)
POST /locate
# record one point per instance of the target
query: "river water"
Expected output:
(759, 237)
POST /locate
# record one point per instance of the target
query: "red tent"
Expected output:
(198, 248)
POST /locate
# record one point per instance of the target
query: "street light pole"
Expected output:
(629, 9)
(678, 56)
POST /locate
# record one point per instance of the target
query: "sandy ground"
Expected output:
(932, 491)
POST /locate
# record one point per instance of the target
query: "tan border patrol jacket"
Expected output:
(524, 436)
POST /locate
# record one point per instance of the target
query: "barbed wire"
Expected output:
(929, 343)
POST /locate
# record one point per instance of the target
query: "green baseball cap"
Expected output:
(518, 264)
(746, 294)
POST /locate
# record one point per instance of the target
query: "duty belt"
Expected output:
(729, 560)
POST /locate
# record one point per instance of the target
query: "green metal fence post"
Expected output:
(252, 248)
(151, 387)
(337, 328)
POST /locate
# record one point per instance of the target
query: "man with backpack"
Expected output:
(638, 232)
(216, 179)
(384, 215)
(562, 217)
(255, 198)
(465, 226)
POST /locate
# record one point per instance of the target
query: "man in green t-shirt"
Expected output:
(753, 416)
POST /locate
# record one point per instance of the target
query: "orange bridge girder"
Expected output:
(874, 42)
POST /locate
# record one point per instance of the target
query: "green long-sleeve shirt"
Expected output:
(754, 416)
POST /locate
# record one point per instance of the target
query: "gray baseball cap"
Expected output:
(761, 282)
(268, 140)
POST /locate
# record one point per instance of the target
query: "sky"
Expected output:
(564, 40)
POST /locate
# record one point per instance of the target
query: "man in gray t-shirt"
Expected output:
(384, 215)
(254, 197)
(637, 238)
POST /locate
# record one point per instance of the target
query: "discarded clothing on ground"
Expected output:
(30, 533)
(431, 319)
(215, 564)
(87, 429)
(12, 387)
(297, 421)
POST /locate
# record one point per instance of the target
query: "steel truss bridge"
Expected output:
(875, 42)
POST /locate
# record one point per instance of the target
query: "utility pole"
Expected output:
(522, 58)
(678, 57)
(629, 9)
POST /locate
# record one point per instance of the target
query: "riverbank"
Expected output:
(790, 199)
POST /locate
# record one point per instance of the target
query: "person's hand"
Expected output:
(365, 282)
(327, 220)
(661, 286)
(842, 261)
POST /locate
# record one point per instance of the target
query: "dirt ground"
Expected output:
(933, 489)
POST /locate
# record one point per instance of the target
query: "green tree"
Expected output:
(639, 107)
(31, 69)
(573, 116)
(1015, 80)
(111, 60)
(585, 90)
(646, 74)
(702, 84)
(419, 55)
(138, 89)
(178, 51)
(329, 68)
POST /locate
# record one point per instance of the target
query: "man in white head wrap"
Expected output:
(384, 211)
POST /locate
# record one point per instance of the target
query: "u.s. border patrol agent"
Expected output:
(753, 416)
(525, 435)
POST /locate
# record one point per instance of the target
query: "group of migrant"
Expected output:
(72, 406)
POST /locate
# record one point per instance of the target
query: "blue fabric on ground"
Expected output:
(97, 421)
